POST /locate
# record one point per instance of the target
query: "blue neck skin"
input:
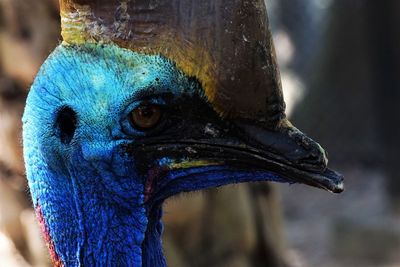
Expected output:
(88, 194)
(152, 251)
(98, 204)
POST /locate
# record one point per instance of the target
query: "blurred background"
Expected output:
(340, 65)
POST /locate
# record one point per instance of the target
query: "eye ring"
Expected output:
(146, 116)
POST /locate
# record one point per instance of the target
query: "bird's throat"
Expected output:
(152, 251)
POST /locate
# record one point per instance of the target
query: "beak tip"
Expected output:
(331, 181)
(339, 188)
(337, 184)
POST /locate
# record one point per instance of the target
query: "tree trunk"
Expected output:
(384, 43)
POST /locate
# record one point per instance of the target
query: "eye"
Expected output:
(146, 116)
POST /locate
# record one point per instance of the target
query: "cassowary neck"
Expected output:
(152, 252)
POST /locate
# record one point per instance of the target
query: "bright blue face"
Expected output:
(97, 180)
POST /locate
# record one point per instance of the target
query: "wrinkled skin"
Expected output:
(98, 183)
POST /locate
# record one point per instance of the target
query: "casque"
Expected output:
(147, 99)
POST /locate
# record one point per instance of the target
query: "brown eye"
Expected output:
(145, 116)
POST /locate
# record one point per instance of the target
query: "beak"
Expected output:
(292, 155)
(254, 153)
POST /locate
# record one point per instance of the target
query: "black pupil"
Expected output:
(146, 112)
(66, 124)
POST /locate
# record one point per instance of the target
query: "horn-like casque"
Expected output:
(225, 44)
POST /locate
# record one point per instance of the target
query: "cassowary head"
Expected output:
(110, 133)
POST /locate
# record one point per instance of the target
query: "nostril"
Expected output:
(66, 124)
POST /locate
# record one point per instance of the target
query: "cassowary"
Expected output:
(140, 103)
